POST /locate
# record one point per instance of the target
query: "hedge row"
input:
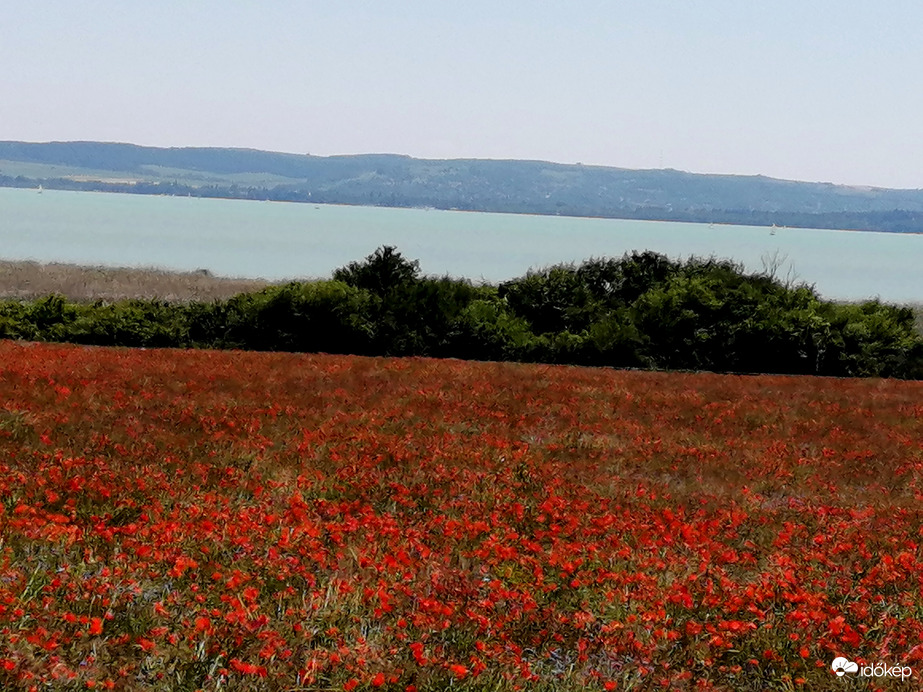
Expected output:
(642, 310)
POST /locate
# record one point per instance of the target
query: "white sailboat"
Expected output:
(40, 189)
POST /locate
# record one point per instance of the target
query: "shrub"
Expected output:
(485, 330)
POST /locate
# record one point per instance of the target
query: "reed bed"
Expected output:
(26, 280)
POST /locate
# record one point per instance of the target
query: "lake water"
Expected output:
(276, 240)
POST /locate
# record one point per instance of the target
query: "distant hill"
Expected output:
(534, 187)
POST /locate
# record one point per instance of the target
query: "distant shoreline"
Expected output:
(49, 186)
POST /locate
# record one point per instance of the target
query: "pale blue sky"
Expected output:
(817, 90)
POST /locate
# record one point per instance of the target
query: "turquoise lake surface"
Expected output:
(279, 240)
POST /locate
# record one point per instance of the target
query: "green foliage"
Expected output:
(641, 310)
(130, 323)
(875, 339)
(411, 315)
(616, 341)
(383, 271)
(555, 300)
(486, 330)
(324, 316)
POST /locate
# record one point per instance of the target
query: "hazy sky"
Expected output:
(821, 90)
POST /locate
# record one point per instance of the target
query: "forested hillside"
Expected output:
(534, 187)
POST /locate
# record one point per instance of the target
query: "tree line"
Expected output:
(642, 310)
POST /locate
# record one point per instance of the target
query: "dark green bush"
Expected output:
(552, 301)
(485, 330)
(152, 324)
(382, 271)
(323, 316)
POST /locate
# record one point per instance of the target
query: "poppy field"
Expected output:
(186, 520)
